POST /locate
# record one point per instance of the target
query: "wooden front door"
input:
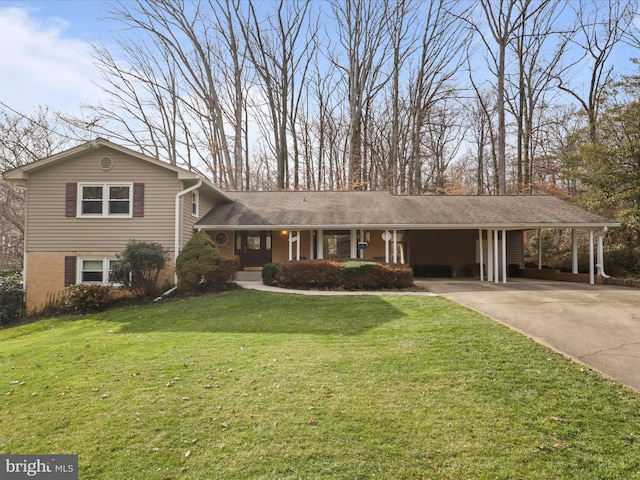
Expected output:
(253, 248)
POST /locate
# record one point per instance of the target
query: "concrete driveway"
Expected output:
(596, 325)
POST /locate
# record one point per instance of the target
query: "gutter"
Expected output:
(176, 247)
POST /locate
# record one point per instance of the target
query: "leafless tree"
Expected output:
(23, 139)
(362, 56)
(280, 46)
(537, 65)
(600, 27)
(171, 86)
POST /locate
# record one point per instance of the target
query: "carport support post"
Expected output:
(592, 279)
(481, 255)
(496, 257)
(574, 251)
(490, 255)
(395, 246)
(539, 249)
(504, 256)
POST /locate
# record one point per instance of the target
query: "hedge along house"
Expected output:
(84, 204)
(438, 235)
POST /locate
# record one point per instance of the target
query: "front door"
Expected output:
(253, 248)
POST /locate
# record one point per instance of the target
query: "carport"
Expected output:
(481, 234)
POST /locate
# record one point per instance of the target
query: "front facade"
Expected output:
(85, 204)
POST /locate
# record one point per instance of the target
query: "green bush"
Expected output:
(12, 305)
(226, 271)
(270, 274)
(201, 267)
(307, 274)
(375, 276)
(85, 298)
(335, 275)
(140, 266)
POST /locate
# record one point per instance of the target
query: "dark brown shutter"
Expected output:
(138, 199)
(69, 271)
(71, 200)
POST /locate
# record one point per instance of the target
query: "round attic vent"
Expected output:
(106, 163)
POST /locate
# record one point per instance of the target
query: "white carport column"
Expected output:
(481, 256)
(504, 256)
(539, 249)
(592, 278)
(574, 251)
(496, 257)
(395, 246)
(490, 271)
(386, 236)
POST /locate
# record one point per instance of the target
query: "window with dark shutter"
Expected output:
(138, 199)
(69, 271)
(71, 200)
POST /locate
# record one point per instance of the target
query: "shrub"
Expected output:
(198, 259)
(85, 298)
(12, 305)
(270, 274)
(334, 275)
(201, 267)
(306, 274)
(226, 271)
(139, 267)
(375, 276)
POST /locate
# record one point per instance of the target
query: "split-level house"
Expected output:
(85, 204)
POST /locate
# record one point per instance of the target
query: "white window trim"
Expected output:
(195, 202)
(105, 270)
(105, 200)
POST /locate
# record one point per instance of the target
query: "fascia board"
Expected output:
(523, 226)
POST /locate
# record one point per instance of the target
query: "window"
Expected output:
(337, 243)
(105, 200)
(98, 270)
(195, 197)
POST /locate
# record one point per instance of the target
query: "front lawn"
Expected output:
(261, 385)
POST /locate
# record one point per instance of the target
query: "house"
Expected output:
(83, 205)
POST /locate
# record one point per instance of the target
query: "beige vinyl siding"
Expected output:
(50, 231)
(187, 220)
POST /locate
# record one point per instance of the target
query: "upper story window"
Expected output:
(105, 199)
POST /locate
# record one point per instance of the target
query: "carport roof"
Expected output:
(379, 209)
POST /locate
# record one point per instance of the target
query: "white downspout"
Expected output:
(176, 247)
(600, 264)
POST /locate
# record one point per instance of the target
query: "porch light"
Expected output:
(284, 232)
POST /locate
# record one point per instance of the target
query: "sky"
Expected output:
(45, 53)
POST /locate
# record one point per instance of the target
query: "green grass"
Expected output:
(261, 385)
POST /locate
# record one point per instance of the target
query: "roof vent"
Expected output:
(106, 163)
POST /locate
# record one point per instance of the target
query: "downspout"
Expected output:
(600, 264)
(176, 247)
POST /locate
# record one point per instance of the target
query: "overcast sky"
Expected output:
(45, 52)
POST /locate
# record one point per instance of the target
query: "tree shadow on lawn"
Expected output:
(261, 312)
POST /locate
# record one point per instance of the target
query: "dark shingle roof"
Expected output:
(355, 209)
